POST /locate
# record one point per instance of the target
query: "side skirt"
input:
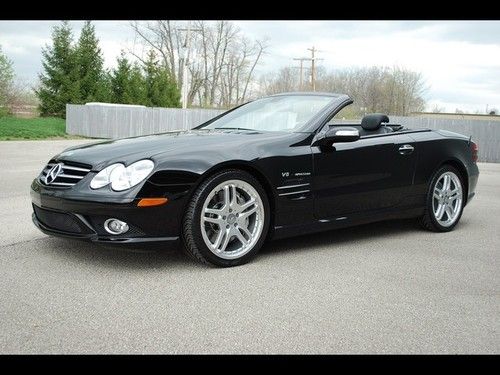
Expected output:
(345, 221)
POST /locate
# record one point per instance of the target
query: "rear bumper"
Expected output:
(473, 178)
(469, 198)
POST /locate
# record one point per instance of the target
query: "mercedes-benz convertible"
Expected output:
(279, 166)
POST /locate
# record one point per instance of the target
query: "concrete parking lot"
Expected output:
(381, 288)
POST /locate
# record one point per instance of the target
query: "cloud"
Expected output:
(460, 60)
(23, 41)
(461, 69)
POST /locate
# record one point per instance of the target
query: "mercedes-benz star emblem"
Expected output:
(55, 171)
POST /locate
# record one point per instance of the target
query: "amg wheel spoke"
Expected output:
(440, 211)
(449, 212)
(246, 205)
(214, 220)
(249, 212)
(436, 195)
(225, 242)
(446, 182)
(453, 204)
(245, 231)
(455, 194)
(241, 238)
(233, 196)
(227, 197)
(218, 239)
(213, 211)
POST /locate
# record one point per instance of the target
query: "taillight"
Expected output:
(474, 149)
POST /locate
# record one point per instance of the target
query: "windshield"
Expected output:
(278, 113)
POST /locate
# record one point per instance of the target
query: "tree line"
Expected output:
(393, 90)
(74, 73)
(221, 63)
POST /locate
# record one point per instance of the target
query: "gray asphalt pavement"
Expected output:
(381, 288)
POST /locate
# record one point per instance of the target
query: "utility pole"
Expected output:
(313, 67)
(185, 61)
(301, 59)
(312, 59)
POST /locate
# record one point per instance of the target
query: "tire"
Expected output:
(430, 220)
(217, 237)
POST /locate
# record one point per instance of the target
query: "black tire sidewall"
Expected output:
(430, 193)
(206, 188)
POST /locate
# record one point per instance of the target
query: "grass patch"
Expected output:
(14, 128)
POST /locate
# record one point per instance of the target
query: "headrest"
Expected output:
(373, 121)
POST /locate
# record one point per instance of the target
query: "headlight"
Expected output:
(107, 175)
(121, 177)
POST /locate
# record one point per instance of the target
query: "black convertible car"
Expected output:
(279, 166)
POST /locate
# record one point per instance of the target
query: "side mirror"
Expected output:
(337, 134)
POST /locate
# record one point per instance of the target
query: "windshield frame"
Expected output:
(337, 102)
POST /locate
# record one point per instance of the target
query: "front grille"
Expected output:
(71, 173)
(60, 221)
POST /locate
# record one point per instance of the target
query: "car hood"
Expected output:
(129, 150)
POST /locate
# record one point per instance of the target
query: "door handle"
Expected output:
(406, 149)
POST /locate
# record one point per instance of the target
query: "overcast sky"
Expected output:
(460, 60)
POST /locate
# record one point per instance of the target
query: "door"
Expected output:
(370, 174)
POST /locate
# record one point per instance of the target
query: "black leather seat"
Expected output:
(371, 124)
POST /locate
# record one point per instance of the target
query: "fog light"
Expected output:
(115, 226)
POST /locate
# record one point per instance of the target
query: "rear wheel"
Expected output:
(227, 219)
(445, 200)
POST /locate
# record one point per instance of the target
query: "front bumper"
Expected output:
(57, 213)
(94, 237)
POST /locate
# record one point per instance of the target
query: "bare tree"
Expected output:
(283, 80)
(238, 71)
(165, 38)
(222, 64)
(410, 89)
(438, 109)
(393, 90)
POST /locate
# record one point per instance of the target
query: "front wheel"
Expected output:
(445, 200)
(227, 219)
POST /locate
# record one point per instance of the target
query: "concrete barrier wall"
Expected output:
(110, 121)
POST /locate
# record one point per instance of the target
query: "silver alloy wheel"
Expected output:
(447, 199)
(232, 219)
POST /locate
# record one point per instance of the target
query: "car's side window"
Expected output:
(344, 117)
(347, 117)
(348, 114)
